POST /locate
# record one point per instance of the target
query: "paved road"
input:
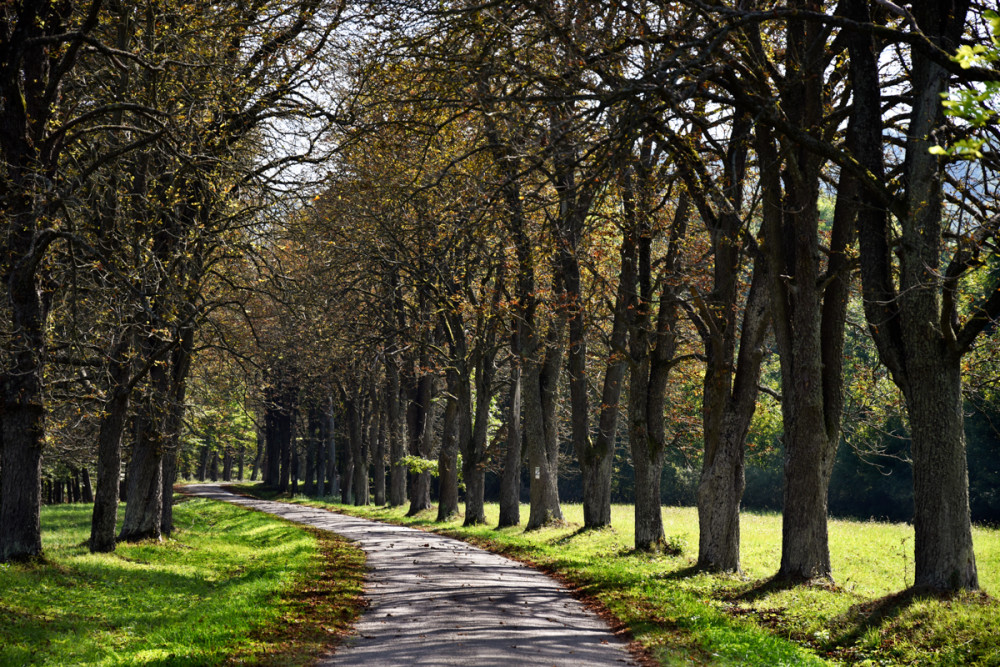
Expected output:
(437, 601)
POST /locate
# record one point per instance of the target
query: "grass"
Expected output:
(229, 586)
(684, 616)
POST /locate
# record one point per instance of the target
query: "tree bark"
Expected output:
(104, 518)
(312, 441)
(258, 458)
(510, 482)
(728, 405)
(541, 429)
(144, 507)
(652, 348)
(420, 418)
(359, 449)
(476, 433)
(448, 453)
(379, 426)
(397, 442)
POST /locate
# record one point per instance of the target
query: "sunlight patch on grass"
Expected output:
(193, 599)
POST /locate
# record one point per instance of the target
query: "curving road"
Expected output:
(437, 601)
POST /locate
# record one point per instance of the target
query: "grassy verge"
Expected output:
(685, 616)
(229, 586)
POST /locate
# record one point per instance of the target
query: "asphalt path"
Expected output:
(438, 601)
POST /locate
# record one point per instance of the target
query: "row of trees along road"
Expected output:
(140, 157)
(542, 220)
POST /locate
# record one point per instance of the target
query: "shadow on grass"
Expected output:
(874, 614)
(580, 532)
(764, 587)
(683, 573)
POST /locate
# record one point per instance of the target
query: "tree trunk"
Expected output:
(312, 438)
(596, 458)
(22, 427)
(808, 319)
(652, 347)
(143, 511)
(944, 559)
(203, 459)
(541, 429)
(331, 453)
(359, 450)
(510, 482)
(285, 450)
(916, 327)
(448, 454)
(180, 364)
(378, 457)
(88, 490)
(109, 452)
(258, 457)
(476, 434)
(647, 461)
(347, 470)
(397, 442)
(421, 421)
(321, 462)
(728, 404)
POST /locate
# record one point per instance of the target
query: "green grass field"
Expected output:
(219, 588)
(685, 616)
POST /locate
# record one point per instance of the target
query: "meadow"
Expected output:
(229, 586)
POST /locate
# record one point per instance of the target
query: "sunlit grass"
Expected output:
(195, 599)
(685, 615)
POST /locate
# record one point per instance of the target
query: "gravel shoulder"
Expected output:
(433, 600)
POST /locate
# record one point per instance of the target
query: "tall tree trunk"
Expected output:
(596, 458)
(104, 518)
(312, 439)
(915, 327)
(347, 471)
(258, 458)
(379, 426)
(331, 452)
(88, 490)
(180, 365)
(944, 558)
(359, 450)
(285, 450)
(808, 324)
(448, 453)
(143, 511)
(476, 433)
(541, 428)
(376, 446)
(728, 405)
(652, 348)
(321, 452)
(397, 442)
(510, 481)
(420, 418)
(204, 454)
(22, 425)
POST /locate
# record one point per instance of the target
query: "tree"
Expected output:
(911, 277)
